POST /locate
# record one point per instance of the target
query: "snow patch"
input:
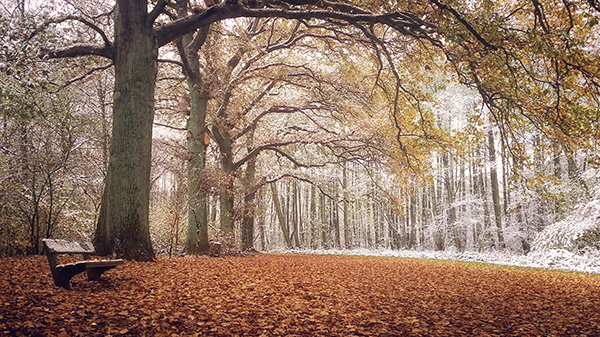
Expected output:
(565, 234)
(555, 259)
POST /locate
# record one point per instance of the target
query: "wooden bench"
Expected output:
(62, 273)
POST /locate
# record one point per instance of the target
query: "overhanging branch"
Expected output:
(465, 23)
(81, 49)
(405, 23)
(86, 74)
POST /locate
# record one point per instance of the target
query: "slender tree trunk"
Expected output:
(347, 242)
(123, 226)
(294, 210)
(282, 224)
(248, 216)
(505, 179)
(412, 236)
(262, 225)
(438, 237)
(397, 230)
(495, 189)
(449, 182)
(335, 215)
(313, 217)
(302, 212)
(324, 226)
(474, 190)
(573, 171)
(486, 208)
(425, 214)
(373, 234)
(287, 213)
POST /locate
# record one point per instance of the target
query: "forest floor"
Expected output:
(299, 295)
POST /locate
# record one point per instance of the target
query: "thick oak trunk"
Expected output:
(123, 222)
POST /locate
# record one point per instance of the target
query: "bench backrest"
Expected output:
(67, 247)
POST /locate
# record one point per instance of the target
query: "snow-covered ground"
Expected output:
(558, 259)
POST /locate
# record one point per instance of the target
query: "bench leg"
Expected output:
(95, 273)
(63, 277)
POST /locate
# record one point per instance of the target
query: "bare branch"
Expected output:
(81, 49)
(85, 21)
(171, 61)
(170, 126)
(260, 96)
(467, 25)
(405, 23)
(160, 6)
(306, 180)
(88, 73)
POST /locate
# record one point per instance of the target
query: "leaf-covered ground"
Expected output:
(295, 295)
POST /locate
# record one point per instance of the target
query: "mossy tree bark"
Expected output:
(123, 222)
(197, 137)
(197, 234)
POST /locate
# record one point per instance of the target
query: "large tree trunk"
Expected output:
(123, 222)
(197, 138)
(197, 234)
(226, 193)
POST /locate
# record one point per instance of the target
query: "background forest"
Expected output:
(273, 133)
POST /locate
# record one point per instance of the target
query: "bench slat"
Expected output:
(92, 264)
(104, 263)
(71, 265)
(68, 247)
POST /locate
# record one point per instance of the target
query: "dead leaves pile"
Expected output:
(292, 295)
